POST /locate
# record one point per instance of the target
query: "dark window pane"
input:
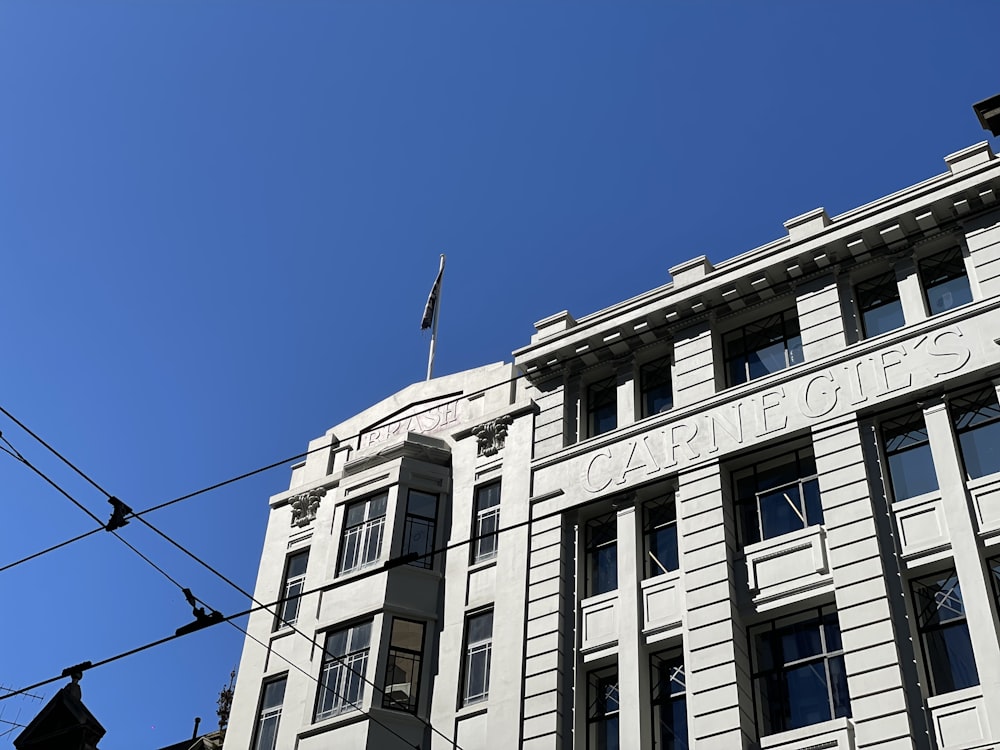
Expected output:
(663, 547)
(882, 319)
(945, 282)
(912, 472)
(808, 702)
(779, 513)
(838, 686)
(604, 569)
(952, 664)
(981, 450)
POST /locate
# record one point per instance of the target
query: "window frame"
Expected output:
(661, 367)
(870, 285)
(748, 502)
(769, 721)
(482, 648)
(288, 600)
(265, 713)
(596, 549)
(735, 347)
(659, 515)
(600, 393)
(602, 681)
(368, 526)
(901, 425)
(353, 663)
(416, 658)
(481, 514)
(662, 700)
(412, 521)
(953, 254)
(934, 656)
(982, 399)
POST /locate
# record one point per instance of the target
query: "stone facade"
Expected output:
(757, 507)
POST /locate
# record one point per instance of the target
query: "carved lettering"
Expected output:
(423, 422)
(818, 397)
(675, 443)
(904, 378)
(958, 350)
(765, 407)
(644, 460)
(733, 429)
(588, 476)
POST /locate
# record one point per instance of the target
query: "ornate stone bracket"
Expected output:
(492, 435)
(304, 506)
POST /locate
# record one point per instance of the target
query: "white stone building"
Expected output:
(757, 507)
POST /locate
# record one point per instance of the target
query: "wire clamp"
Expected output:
(201, 619)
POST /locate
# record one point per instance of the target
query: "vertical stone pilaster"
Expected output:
(967, 550)
(548, 673)
(821, 323)
(880, 704)
(694, 370)
(633, 664)
(983, 240)
(911, 294)
(719, 694)
(551, 425)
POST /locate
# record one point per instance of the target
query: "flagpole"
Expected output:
(434, 328)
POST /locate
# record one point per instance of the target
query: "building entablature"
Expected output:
(816, 245)
(915, 363)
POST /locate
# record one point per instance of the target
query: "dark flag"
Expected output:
(432, 301)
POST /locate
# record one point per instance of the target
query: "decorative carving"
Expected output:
(304, 507)
(492, 435)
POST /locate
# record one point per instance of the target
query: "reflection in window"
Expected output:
(295, 579)
(908, 452)
(976, 417)
(487, 522)
(660, 532)
(879, 305)
(778, 496)
(266, 731)
(402, 670)
(478, 658)
(945, 282)
(762, 347)
(419, 526)
(669, 702)
(656, 391)
(602, 554)
(602, 711)
(363, 527)
(799, 675)
(342, 676)
(944, 633)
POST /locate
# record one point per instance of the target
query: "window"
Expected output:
(879, 305)
(419, 527)
(363, 528)
(602, 406)
(602, 711)
(763, 347)
(908, 453)
(478, 654)
(976, 417)
(266, 731)
(342, 677)
(799, 675)
(660, 532)
(291, 591)
(778, 496)
(669, 702)
(944, 633)
(656, 391)
(402, 671)
(944, 280)
(487, 522)
(602, 554)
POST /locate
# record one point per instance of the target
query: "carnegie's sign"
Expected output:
(819, 395)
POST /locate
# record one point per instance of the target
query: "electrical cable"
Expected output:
(197, 559)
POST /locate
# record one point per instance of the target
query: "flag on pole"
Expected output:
(432, 300)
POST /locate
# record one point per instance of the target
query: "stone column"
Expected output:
(870, 635)
(633, 664)
(967, 551)
(719, 693)
(911, 294)
(821, 322)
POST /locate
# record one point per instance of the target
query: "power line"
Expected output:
(201, 620)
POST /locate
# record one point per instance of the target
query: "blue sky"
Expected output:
(219, 222)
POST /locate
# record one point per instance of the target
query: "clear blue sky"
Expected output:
(219, 222)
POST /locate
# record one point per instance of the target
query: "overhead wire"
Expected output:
(204, 564)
